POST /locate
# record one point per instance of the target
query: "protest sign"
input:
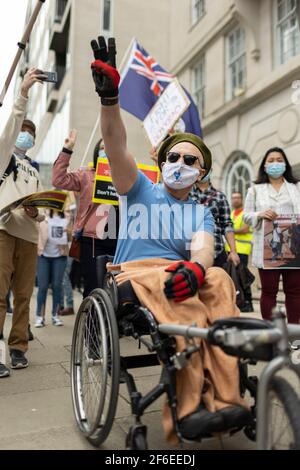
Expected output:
(171, 105)
(48, 200)
(282, 242)
(104, 190)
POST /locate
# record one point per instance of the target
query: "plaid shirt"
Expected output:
(218, 204)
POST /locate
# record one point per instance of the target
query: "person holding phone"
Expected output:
(19, 232)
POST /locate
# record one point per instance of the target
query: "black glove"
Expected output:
(105, 74)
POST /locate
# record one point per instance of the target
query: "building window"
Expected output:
(198, 10)
(59, 10)
(107, 18)
(288, 34)
(239, 175)
(198, 85)
(236, 63)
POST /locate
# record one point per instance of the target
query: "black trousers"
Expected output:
(248, 294)
(220, 260)
(90, 249)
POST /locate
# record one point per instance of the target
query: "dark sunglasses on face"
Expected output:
(173, 157)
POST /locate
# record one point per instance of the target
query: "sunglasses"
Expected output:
(173, 157)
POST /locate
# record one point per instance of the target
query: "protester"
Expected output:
(275, 192)
(67, 289)
(204, 193)
(52, 261)
(169, 263)
(243, 241)
(18, 229)
(14, 123)
(91, 218)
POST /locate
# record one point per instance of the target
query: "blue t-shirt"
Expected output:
(156, 225)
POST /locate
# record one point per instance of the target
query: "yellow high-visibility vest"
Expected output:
(243, 242)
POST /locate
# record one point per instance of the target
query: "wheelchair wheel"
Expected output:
(283, 416)
(95, 367)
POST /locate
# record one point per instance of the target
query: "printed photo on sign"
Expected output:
(282, 243)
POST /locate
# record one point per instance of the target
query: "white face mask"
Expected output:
(179, 176)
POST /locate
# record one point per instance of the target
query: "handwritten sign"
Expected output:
(165, 113)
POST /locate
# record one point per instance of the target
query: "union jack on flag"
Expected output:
(149, 68)
(143, 81)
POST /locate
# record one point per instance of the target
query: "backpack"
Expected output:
(12, 168)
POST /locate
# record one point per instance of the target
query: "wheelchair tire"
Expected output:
(284, 433)
(95, 367)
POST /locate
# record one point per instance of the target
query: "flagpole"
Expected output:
(123, 61)
(21, 47)
(127, 52)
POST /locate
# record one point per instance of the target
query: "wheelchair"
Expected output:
(97, 369)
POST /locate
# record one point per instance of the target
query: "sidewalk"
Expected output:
(35, 403)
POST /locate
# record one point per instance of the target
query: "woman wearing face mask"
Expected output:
(275, 192)
(91, 219)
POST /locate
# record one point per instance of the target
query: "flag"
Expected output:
(143, 81)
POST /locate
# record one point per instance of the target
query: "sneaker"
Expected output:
(56, 321)
(30, 335)
(4, 371)
(39, 322)
(67, 311)
(18, 359)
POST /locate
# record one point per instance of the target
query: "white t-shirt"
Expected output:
(57, 236)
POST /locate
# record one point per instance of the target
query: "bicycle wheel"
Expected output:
(95, 367)
(283, 416)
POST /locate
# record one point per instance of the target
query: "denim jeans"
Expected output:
(50, 270)
(67, 290)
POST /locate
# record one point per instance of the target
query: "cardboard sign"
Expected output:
(171, 105)
(282, 242)
(104, 190)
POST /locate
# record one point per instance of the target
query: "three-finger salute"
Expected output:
(105, 74)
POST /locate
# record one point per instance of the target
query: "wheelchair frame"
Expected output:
(125, 321)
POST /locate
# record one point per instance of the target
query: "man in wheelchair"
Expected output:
(166, 250)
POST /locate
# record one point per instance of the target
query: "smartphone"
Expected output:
(51, 77)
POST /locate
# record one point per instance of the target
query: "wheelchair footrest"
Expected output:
(202, 423)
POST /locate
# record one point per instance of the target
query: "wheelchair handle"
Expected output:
(233, 337)
(181, 330)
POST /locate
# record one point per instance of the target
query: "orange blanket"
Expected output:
(212, 376)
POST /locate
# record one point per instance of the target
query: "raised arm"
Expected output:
(106, 78)
(14, 123)
(61, 177)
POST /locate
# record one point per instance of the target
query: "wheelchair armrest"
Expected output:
(101, 263)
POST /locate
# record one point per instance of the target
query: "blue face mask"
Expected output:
(25, 141)
(207, 178)
(276, 169)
